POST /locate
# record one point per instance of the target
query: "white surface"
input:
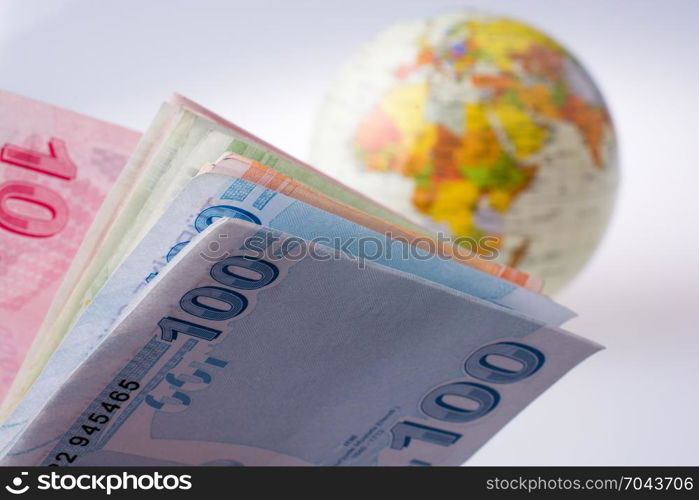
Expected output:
(266, 65)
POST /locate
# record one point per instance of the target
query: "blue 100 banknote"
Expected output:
(255, 347)
(211, 196)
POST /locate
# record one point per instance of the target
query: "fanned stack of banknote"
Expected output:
(198, 297)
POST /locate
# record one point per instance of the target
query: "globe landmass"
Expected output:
(478, 126)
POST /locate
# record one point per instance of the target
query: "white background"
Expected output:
(266, 66)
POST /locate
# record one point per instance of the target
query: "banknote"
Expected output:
(211, 196)
(56, 167)
(183, 137)
(254, 347)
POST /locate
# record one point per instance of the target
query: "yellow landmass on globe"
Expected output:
(525, 136)
(453, 204)
(501, 38)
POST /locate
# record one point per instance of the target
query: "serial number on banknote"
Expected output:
(96, 422)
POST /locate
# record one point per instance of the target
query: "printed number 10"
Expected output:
(57, 164)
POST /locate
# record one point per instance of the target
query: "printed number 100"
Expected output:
(440, 403)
